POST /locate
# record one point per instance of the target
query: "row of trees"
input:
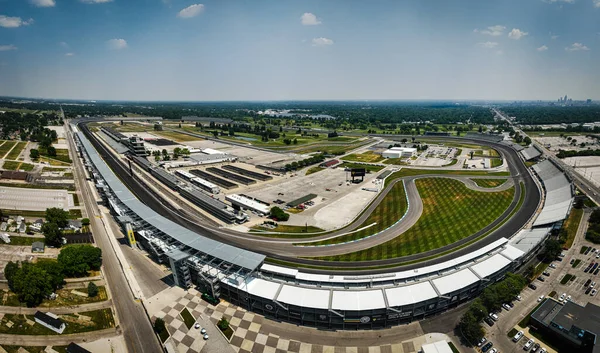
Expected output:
(593, 232)
(491, 299)
(565, 154)
(32, 282)
(305, 162)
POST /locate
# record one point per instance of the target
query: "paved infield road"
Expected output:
(284, 250)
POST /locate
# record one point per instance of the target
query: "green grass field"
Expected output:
(451, 212)
(367, 157)
(15, 165)
(489, 183)
(404, 172)
(389, 211)
(5, 146)
(100, 319)
(313, 170)
(187, 317)
(176, 136)
(571, 225)
(16, 151)
(496, 162)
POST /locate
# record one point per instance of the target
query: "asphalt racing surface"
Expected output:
(282, 248)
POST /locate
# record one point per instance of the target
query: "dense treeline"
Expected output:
(554, 115)
(593, 232)
(582, 153)
(27, 125)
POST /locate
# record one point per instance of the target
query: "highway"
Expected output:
(137, 331)
(270, 247)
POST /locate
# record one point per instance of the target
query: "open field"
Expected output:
(489, 183)
(5, 146)
(414, 172)
(366, 157)
(176, 136)
(64, 298)
(98, 320)
(16, 151)
(16, 240)
(389, 211)
(14, 165)
(451, 212)
(395, 161)
(54, 162)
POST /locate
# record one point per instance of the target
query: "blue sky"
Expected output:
(286, 49)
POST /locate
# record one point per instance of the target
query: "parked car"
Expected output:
(552, 265)
(535, 347)
(592, 284)
(493, 350)
(568, 298)
(587, 283)
(518, 297)
(203, 331)
(540, 298)
(593, 292)
(481, 341)
(596, 272)
(532, 286)
(487, 347)
(518, 336)
(546, 273)
(588, 290)
(541, 279)
(494, 316)
(506, 306)
(205, 337)
(528, 345)
(511, 304)
(488, 321)
(572, 261)
(543, 350)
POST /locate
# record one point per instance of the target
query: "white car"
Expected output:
(528, 345)
(593, 292)
(552, 265)
(568, 298)
(543, 350)
(540, 298)
(518, 297)
(494, 316)
(506, 306)
(493, 350)
(518, 336)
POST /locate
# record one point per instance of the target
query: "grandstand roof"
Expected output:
(530, 153)
(455, 281)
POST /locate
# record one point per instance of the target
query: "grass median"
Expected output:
(489, 183)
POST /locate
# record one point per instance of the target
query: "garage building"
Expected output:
(399, 152)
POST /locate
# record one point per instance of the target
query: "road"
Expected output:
(137, 331)
(270, 247)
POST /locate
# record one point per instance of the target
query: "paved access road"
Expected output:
(137, 331)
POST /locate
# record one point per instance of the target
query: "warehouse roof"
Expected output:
(228, 253)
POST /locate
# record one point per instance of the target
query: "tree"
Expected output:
(32, 284)
(92, 290)
(58, 216)
(52, 234)
(77, 260)
(527, 140)
(595, 216)
(552, 249)
(85, 221)
(579, 203)
(223, 324)
(55, 270)
(159, 325)
(295, 141)
(10, 270)
(51, 151)
(34, 154)
(278, 214)
(470, 328)
(478, 309)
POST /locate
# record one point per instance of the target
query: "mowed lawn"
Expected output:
(404, 172)
(489, 183)
(389, 211)
(16, 151)
(5, 146)
(451, 212)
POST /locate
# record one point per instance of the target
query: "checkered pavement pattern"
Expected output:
(249, 335)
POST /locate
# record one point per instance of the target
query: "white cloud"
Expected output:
(489, 45)
(495, 31)
(117, 44)
(95, 1)
(321, 42)
(7, 47)
(597, 3)
(577, 47)
(13, 22)
(69, 54)
(191, 11)
(44, 3)
(64, 45)
(517, 34)
(542, 48)
(309, 19)
(554, 37)
(559, 1)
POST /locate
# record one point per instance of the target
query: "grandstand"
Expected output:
(225, 174)
(515, 146)
(530, 153)
(559, 193)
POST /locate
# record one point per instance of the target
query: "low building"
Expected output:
(239, 201)
(22, 228)
(37, 225)
(50, 321)
(5, 238)
(569, 324)
(75, 348)
(13, 175)
(399, 152)
(38, 246)
(75, 225)
(3, 226)
(436, 347)
(330, 163)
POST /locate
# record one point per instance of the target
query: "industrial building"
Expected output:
(247, 203)
(299, 296)
(570, 324)
(399, 152)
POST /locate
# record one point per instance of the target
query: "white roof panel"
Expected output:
(357, 300)
(490, 266)
(407, 295)
(262, 288)
(511, 252)
(455, 281)
(306, 297)
(279, 269)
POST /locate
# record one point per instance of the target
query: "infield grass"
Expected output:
(404, 172)
(389, 211)
(367, 157)
(451, 212)
(489, 183)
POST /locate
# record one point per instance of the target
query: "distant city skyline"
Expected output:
(171, 50)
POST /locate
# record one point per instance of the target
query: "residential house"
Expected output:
(37, 246)
(74, 225)
(50, 321)
(3, 226)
